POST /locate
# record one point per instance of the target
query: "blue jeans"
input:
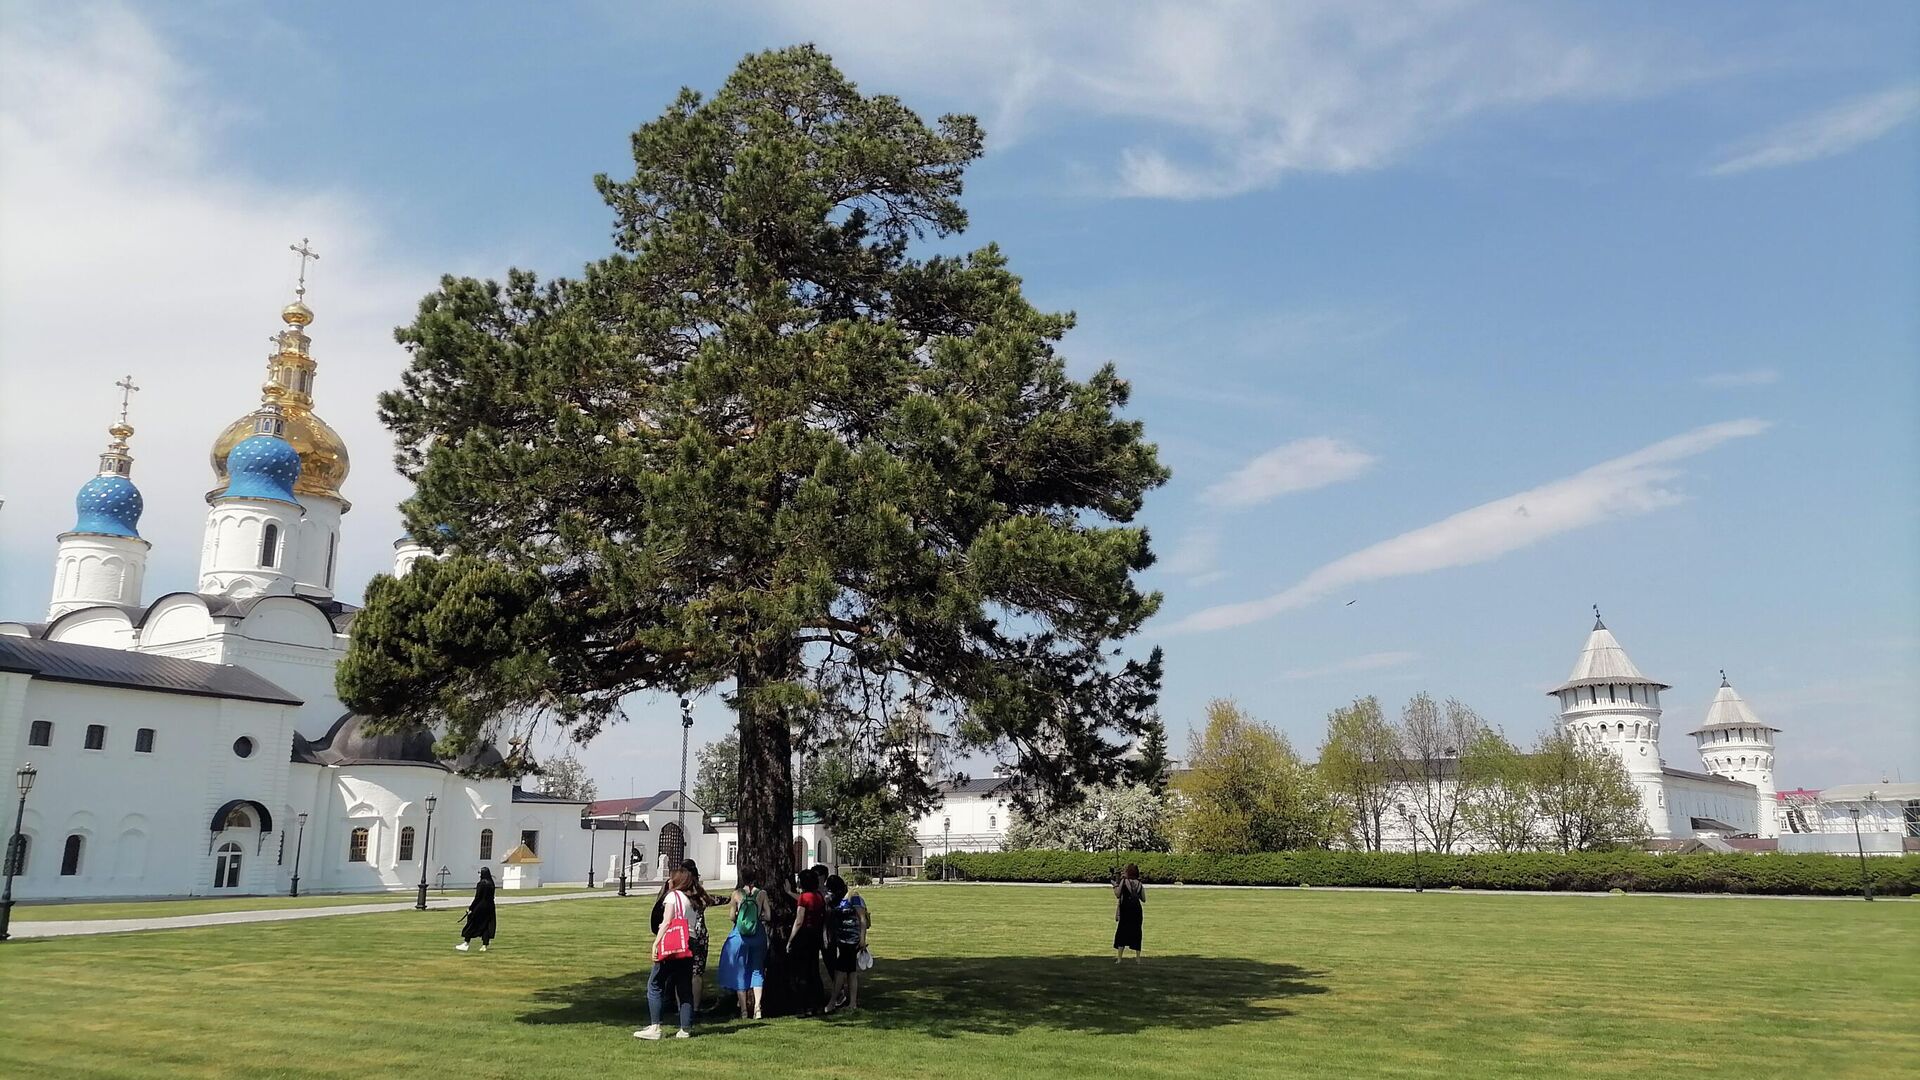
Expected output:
(676, 977)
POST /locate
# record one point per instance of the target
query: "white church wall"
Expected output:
(103, 626)
(978, 823)
(305, 671)
(140, 836)
(1687, 798)
(179, 618)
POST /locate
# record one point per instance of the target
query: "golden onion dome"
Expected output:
(323, 454)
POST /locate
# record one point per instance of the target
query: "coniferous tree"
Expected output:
(762, 448)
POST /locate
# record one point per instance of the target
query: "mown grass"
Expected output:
(978, 981)
(161, 909)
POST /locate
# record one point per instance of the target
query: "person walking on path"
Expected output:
(672, 958)
(480, 918)
(1130, 902)
(743, 958)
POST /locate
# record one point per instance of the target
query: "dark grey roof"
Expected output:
(1711, 823)
(542, 797)
(980, 785)
(63, 661)
(1708, 777)
(348, 742)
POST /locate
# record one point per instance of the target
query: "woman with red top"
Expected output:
(804, 942)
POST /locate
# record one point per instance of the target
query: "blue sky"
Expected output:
(1452, 319)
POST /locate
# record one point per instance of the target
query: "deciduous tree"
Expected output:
(566, 777)
(1498, 807)
(1130, 817)
(1246, 790)
(716, 784)
(1585, 795)
(1431, 738)
(1358, 764)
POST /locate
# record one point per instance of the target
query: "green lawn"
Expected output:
(978, 981)
(158, 909)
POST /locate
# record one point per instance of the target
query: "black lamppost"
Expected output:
(24, 775)
(946, 841)
(686, 731)
(425, 847)
(1866, 883)
(1414, 828)
(299, 838)
(586, 820)
(626, 849)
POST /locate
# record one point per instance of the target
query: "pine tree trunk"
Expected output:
(766, 807)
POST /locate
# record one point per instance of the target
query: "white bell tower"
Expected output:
(102, 559)
(1735, 744)
(1608, 702)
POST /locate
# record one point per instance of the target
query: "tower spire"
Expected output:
(1723, 677)
(117, 461)
(1597, 624)
(305, 252)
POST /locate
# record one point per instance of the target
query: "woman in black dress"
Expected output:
(1130, 902)
(479, 914)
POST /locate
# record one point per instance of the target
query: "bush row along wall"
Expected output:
(1633, 871)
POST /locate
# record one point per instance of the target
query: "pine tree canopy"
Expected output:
(765, 447)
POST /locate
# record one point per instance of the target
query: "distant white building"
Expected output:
(193, 744)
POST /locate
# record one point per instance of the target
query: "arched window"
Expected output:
(357, 846)
(17, 858)
(237, 819)
(226, 867)
(269, 544)
(70, 858)
(993, 821)
(406, 844)
(41, 733)
(486, 844)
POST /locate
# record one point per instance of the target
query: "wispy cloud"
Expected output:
(1196, 556)
(1833, 131)
(1231, 95)
(1736, 380)
(1629, 486)
(1301, 465)
(1370, 662)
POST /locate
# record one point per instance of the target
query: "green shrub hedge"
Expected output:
(1633, 871)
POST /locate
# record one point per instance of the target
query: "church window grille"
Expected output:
(531, 838)
(406, 844)
(357, 846)
(17, 857)
(269, 544)
(486, 844)
(143, 741)
(237, 819)
(41, 733)
(96, 736)
(70, 858)
(226, 867)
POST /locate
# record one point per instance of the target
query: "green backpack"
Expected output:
(747, 919)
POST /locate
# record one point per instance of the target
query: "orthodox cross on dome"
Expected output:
(127, 390)
(305, 252)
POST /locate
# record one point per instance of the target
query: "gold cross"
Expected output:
(126, 395)
(305, 253)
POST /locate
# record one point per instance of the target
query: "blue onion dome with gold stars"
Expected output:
(109, 504)
(263, 465)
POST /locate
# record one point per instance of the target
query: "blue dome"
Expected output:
(262, 467)
(108, 504)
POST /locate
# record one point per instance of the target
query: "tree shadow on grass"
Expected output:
(993, 995)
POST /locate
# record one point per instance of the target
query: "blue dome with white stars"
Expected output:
(262, 467)
(109, 505)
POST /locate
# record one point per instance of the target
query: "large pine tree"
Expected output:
(764, 448)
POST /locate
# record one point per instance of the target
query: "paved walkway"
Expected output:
(1436, 890)
(75, 927)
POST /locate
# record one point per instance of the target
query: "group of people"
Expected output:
(816, 920)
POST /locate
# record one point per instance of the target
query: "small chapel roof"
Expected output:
(64, 661)
(521, 855)
(1604, 661)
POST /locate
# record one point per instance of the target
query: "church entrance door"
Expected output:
(226, 867)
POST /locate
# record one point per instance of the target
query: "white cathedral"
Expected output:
(192, 743)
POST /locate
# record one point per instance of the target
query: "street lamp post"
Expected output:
(1414, 829)
(946, 841)
(626, 849)
(586, 818)
(299, 839)
(426, 846)
(24, 776)
(686, 731)
(1866, 883)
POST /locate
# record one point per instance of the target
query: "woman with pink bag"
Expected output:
(673, 958)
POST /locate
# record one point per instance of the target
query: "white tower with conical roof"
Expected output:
(1735, 744)
(102, 559)
(1608, 702)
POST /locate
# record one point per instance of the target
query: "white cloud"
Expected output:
(1629, 486)
(133, 244)
(1301, 465)
(1196, 556)
(1237, 94)
(1824, 134)
(1735, 380)
(1370, 662)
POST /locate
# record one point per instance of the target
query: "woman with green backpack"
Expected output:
(743, 959)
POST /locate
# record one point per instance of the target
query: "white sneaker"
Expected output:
(650, 1032)
(683, 1033)
(483, 948)
(462, 947)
